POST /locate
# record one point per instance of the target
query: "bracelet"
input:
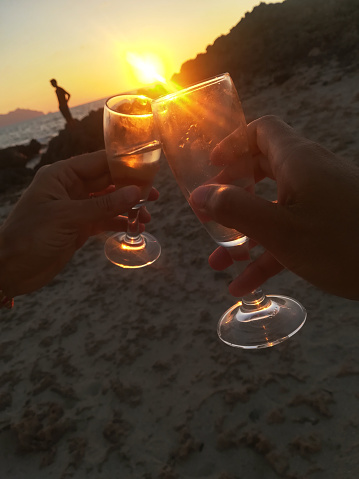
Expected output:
(5, 301)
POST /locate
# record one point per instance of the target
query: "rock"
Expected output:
(15, 178)
(18, 156)
(275, 39)
(13, 172)
(79, 137)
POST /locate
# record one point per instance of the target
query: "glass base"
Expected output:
(250, 327)
(137, 254)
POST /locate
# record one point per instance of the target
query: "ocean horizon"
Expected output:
(45, 127)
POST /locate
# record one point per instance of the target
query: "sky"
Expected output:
(92, 47)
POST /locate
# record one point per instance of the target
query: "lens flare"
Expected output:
(147, 68)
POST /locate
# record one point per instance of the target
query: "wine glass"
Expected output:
(191, 123)
(133, 154)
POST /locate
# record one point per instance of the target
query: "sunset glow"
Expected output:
(148, 68)
(96, 49)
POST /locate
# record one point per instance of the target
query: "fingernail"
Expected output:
(200, 195)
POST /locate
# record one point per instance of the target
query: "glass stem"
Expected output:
(256, 299)
(133, 236)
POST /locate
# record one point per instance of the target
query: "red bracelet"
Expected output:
(5, 301)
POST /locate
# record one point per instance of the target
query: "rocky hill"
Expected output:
(274, 39)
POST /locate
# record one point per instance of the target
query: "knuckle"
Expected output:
(223, 202)
(270, 119)
(105, 204)
(50, 169)
(225, 197)
(43, 171)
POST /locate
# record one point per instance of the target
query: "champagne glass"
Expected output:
(191, 123)
(133, 155)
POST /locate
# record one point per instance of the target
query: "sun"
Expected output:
(148, 68)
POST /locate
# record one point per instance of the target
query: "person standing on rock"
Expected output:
(63, 96)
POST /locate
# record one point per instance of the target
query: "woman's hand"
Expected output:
(66, 203)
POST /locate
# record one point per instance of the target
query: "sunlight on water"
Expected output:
(43, 128)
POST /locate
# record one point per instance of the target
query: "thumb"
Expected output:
(106, 206)
(236, 208)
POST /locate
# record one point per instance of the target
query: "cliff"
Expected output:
(275, 39)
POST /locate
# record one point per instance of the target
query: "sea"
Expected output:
(44, 127)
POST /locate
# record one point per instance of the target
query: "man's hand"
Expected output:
(312, 229)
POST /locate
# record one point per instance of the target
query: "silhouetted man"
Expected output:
(63, 98)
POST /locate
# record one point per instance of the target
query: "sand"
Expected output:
(119, 373)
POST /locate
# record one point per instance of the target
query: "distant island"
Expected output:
(18, 115)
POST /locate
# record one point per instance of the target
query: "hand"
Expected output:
(56, 215)
(312, 229)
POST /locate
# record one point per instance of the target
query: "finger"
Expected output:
(78, 184)
(88, 166)
(239, 174)
(222, 258)
(261, 168)
(255, 275)
(108, 189)
(264, 138)
(272, 140)
(106, 206)
(203, 218)
(233, 207)
(233, 153)
(233, 147)
(144, 216)
(265, 133)
(154, 194)
(115, 224)
(100, 185)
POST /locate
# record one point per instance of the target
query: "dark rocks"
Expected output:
(18, 156)
(13, 160)
(275, 39)
(79, 137)
(12, 179)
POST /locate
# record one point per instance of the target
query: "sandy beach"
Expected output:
(111, 373)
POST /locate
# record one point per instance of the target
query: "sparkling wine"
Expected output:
(188, 171)
(191, 125)
(137, 167)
